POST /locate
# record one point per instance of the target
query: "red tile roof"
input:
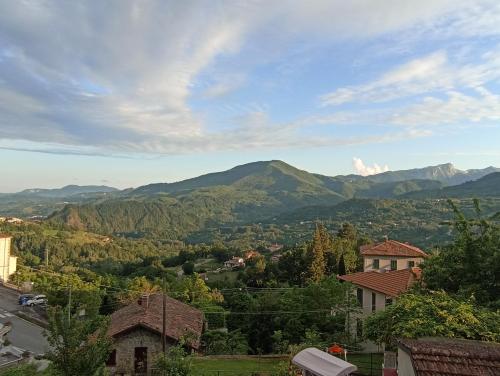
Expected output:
(5, 236)
(392, 248)
(391, 283)
(181, 318)
(448, 357)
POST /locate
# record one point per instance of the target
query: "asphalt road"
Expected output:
(24, 334)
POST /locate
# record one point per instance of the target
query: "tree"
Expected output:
(222, 343)
(471, 265)
(317, 252)
(293, 266)
(78, 346)
(342, 269)
(347, 231)
(434, 314)
(188, 268)
(135, 288)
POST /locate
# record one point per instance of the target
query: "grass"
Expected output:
(243, 366)
(247, 366)
(223, 277)
(368, 364)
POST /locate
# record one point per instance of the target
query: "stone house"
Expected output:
(137, 333)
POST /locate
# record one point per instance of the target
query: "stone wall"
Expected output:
(125, 345)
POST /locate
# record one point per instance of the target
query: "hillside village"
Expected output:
(200, 310)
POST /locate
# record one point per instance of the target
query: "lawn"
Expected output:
(368, 364)
(238, 367)
(219, 279)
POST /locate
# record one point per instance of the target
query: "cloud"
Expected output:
(120, 76)
(431, 73)
(224, 85)
(365, 170)
(456, 108)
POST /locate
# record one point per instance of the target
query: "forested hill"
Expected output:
(245, 194)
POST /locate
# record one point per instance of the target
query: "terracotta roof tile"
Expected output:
(391, 283)
(4, 236)
(449, 357)
(392, 248)
(181, 318)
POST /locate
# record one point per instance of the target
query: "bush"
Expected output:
(175, 363)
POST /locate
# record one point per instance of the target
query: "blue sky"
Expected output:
(126, 93)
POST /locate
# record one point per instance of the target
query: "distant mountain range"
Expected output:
(486, 186)
(67, 191)
(251, 192)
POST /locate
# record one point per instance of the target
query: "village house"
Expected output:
(446, 357)
(251, 254)
(8, 263)
(235, 262)
(390, 269)
(275, 247)
(137, 333)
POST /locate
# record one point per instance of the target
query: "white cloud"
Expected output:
(431, 73)
(365, 170)
(456, 109)
(119, 76)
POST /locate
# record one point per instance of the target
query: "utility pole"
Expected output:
(47, 257)
(69, 305)
(164, 329)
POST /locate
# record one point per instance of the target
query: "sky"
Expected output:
(126, 93)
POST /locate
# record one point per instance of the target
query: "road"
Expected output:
(24, 334)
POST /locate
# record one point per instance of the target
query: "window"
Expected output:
(359, 294)
(394, 264)
(374, 302)
(388, 301)
(111, 362)
(376, 263)
(411, 264)
(359, 328)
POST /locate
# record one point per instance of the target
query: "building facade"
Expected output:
(8, 263)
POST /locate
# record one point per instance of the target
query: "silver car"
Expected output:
(37, 300)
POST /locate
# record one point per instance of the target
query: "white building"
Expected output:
(235, 262)
(390, 269)
(8, 263)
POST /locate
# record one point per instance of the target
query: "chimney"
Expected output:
(144, 300)
(386, 238)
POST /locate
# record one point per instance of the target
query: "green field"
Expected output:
(238, 367)
(222, 278)
(368, 364)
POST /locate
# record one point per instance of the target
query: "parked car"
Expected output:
(37, 300)
(23, 298)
